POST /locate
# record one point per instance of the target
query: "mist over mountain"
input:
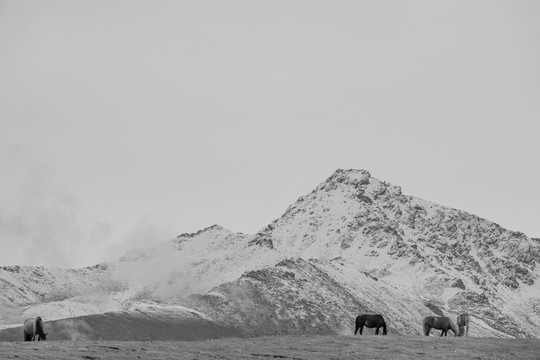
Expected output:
(354, 244)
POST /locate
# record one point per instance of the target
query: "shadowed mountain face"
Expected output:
(354, 244)
(129, 326)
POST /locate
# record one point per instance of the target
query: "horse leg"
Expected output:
(377, 331)
(361, 328)
(356, 328)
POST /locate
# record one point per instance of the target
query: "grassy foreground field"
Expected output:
(281, 347)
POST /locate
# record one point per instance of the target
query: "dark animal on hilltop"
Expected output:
(440, 323)
(33, 327)
(370, 321)
(463, 324)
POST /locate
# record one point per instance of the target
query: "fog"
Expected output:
(129, 122)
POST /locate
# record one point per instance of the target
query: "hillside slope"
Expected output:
(354, 244)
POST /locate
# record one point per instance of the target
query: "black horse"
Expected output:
(370, 321)
(33, 327)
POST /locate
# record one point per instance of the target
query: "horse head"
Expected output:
(454, 327)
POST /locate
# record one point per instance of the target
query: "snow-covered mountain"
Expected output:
(354, 244)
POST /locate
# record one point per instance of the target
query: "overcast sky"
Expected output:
(128, 122)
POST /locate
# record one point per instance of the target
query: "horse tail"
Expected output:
(36, 323)
(357, 326)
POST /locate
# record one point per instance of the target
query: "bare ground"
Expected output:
(281, 347)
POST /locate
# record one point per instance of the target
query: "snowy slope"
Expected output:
(443, 256)
(353, 244)
(54, 293)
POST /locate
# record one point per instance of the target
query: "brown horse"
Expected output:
(463, 324)
(370, 321)
(440, 323)
(33, 327)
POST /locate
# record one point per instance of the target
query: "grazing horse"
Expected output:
(440, 323)
(370, 321)
(463, 324)
(33, 327)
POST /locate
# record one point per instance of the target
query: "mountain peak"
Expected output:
(359, 175)
(353, 237)
(359, 183)
(212, 228)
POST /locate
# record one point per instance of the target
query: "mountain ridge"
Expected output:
(350, 233)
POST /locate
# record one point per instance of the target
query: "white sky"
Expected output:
(129, 122)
